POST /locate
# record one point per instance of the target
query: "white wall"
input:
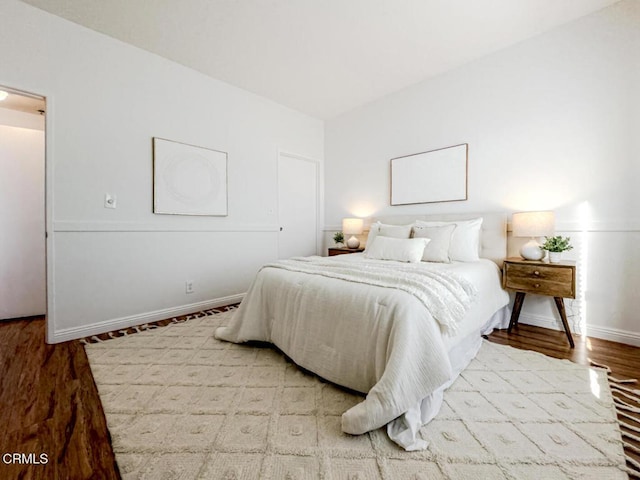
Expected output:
(106, 100)
(551, 123)
(22, 243)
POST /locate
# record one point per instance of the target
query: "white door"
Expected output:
(297, 206)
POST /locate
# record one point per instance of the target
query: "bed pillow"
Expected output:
(437, 250)
(393, 231)
(399, 249)
(465, 238)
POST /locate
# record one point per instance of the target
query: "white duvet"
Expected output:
(342, 319)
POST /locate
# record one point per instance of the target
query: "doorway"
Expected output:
(23, 278)
(297, 206)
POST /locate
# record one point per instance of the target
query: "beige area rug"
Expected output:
(182, 405)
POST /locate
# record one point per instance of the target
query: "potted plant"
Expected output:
(555, 246)
(339, 239)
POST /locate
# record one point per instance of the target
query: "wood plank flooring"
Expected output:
(49, 405)
(49, 402)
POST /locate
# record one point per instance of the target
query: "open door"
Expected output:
(22, 205)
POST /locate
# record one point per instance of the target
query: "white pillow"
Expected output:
(399, 249)
(438, 248)
(465, 238)
(394, 231)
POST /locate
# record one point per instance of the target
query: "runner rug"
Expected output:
(182, 405)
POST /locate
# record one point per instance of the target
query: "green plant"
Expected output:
(557, 244)
(338, 237)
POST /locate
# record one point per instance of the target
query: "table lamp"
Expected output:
(533, 224)
(352, 226)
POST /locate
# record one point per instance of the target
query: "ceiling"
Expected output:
(321, 57)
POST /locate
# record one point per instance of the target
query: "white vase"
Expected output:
(555, 257)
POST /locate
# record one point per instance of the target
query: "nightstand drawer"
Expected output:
(543, 280)
(344, 251)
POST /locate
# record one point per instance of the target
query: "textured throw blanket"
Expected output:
(446, 296)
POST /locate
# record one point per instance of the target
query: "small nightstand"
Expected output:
(344, 251)
(557, 280)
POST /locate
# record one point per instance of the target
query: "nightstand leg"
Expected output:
(515, 314)
(563, 316)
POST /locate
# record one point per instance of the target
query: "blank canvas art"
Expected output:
(429, 177)
(188, 180)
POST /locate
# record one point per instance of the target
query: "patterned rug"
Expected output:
(181, 405)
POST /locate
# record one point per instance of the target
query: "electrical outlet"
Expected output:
(188, 286)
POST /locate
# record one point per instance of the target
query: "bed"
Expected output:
(380, 327)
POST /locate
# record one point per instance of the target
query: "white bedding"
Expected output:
(444, 293)
(373, 339)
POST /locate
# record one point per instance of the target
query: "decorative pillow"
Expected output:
(394, 231)
(438, 248)
(465, 238)
(399, 249)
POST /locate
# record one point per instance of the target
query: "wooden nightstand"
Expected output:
(344, 250)
(557, 280)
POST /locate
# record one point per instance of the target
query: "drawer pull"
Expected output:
(537, 285)
(536, 273)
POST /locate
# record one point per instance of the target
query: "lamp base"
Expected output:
(353, 242)
(532, 251)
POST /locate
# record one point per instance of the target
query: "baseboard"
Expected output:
(542, 321)
(614, 334)
(595, 331)
(74, 333)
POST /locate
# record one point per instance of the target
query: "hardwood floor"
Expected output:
(49, 402)
(49, 405)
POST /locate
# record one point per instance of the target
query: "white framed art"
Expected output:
(188, 180)
(429, 177)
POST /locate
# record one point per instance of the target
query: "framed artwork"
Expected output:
(428, 177)
(188, 180)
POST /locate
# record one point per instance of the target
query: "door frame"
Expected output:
(317, 164)
(49, 250)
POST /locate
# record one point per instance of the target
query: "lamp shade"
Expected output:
(533, 224)
(352, 226)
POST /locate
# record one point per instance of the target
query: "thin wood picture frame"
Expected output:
(433, 176)
(188, 180)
